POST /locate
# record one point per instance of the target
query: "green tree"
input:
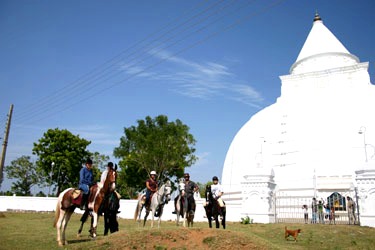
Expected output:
(202, 188)
(60, 158)
(155, 144)
(24, 172)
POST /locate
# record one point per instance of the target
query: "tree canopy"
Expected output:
(24, 172)
(155, 144)
(60, 157)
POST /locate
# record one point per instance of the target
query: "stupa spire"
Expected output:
(317, 17)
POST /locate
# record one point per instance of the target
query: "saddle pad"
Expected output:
(76, 193)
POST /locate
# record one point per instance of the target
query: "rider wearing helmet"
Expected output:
(217, 192)
(152, 187)
(86, 180)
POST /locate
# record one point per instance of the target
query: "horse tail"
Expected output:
(57, 212)
(136, 213)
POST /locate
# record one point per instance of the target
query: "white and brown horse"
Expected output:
(66, 204)
(159, 198)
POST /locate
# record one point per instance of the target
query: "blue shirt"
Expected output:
(86, 176)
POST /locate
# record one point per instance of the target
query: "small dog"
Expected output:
(293, 233)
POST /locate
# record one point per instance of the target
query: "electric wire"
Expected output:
(94, 84)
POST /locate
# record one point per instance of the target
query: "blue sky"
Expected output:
(95, 67)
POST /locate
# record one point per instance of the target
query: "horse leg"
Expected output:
(224, 215)
(59, 225)
(94, 224)
(65, 221)
(139, 215)
(145, 218)
(184, 216)
(160, 213)
(152, 217)
(217, 223)
(209, 221)
(83, 220)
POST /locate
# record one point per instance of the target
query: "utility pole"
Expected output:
(5, 143)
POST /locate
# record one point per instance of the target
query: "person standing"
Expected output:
(86, 180)
(351, 210)
(305, 213)
(152, 187)
(314, 210)
(320, 212)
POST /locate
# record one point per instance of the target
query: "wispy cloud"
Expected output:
(205, 80)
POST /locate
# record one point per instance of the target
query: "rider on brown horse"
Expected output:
(152, 187)
(86, 180)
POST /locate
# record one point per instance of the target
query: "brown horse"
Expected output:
(67, 203)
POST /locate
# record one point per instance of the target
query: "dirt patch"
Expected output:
(182, 238)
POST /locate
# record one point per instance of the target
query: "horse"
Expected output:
(213, 208)
(66, 204)
(182, 206)
(157, 202)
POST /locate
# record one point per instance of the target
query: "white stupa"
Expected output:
(311, 142)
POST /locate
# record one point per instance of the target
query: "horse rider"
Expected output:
(217, 192)
(190, 189)
(86, 180)
(152, 187)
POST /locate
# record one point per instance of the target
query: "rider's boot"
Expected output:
(84, 201)
(175, 209)
(147, 203)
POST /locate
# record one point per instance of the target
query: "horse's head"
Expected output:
(181, 187)
(167, 190)
(208, 192)
(111, 178)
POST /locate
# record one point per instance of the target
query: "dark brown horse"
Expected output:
(67, 202)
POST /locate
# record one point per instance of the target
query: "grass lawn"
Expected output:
(35, 231)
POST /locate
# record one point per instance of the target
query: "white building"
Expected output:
(316, 140)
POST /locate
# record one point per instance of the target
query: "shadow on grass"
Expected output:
(80, 240)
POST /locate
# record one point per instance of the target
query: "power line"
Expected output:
(85, 82)
(95, 85)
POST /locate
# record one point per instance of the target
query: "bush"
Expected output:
(246, 220)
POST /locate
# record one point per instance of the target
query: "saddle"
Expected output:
(143, 200)
(77, 197)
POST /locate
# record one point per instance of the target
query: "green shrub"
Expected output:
(246, 220)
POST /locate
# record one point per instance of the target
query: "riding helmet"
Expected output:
(215, 178)
(153, 172)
